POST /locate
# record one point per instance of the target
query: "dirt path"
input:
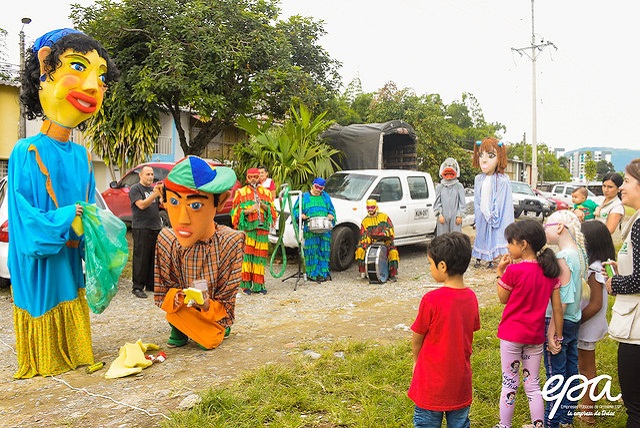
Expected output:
(268, 329)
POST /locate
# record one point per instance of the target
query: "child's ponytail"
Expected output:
(548, 261)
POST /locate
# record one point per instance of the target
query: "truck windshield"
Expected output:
(350, 187)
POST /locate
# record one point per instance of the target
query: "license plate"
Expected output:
(421, 213)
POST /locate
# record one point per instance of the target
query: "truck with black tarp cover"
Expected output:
(388, 145)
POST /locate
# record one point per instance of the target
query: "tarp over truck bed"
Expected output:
(389, 145)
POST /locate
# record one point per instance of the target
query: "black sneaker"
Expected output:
(246, 291)
(139, 293)
(263, 291)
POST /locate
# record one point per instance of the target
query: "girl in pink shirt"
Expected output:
(527, 279)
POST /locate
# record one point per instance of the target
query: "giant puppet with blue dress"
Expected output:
(492, 201)
(66, 76)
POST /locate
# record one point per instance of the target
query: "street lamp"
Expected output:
(22, 131)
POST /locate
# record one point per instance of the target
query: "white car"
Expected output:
(526, 201)
(406, 196)
(563, 191)
(5, 278)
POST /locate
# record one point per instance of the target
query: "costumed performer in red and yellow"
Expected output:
(66, 75)
(377, 227)
(197, 250)
(253, 212)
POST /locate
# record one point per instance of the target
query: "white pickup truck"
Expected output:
(563, 191)
(406, 196)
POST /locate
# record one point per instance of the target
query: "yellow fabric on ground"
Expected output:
(131, 360)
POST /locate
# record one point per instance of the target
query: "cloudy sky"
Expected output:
(588, 89)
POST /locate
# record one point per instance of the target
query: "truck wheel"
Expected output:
(343, 248)
(164, 219)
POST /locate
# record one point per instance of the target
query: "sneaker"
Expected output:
(490, 265)
(139, 293)
(263, 291)
(477, 265)
(246, 291)
(363, 275)
(393, 279)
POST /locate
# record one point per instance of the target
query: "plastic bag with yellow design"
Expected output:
(105, 253)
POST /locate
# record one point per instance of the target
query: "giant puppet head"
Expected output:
(449, 169)
(66, 77)
(490, 155)
(194, 191)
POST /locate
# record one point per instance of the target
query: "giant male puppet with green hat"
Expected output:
(198, 262)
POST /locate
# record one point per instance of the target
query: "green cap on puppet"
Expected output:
(193, 174)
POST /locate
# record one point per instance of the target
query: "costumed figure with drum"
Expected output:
(450, 205)
(493, 203)
(254, 212)
(198, 263)
(65, 78)
(376, 255)
(319, 216)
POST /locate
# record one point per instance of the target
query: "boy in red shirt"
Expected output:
(442, 338)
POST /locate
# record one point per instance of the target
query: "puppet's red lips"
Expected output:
(185, 233)
(83, 102)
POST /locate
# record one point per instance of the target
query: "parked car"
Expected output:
(563, 191)
(117, 195)
(406, 196)
(558, 204)
(526, 201)
(5, 277)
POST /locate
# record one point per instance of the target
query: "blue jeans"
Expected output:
(564, 363)
(424, 418)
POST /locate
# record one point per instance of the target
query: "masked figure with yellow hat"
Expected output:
(198, 262)
(377, 227)
(65, 78)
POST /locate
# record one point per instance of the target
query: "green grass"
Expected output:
(363, 384)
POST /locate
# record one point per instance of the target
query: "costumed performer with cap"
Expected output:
(377, 227)
(450, 205)
(64, 82)
(317, 246)
(253, 212)
(198, 253)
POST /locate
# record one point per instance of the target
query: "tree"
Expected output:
(292, 152)
(213, 59)
(550, 167)
(603, 168)
(441, 129)
(590, 167)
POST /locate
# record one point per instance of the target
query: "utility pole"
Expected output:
(532, 52)
(22, 128)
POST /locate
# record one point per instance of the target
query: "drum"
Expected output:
(319, 224)
(377, 263)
